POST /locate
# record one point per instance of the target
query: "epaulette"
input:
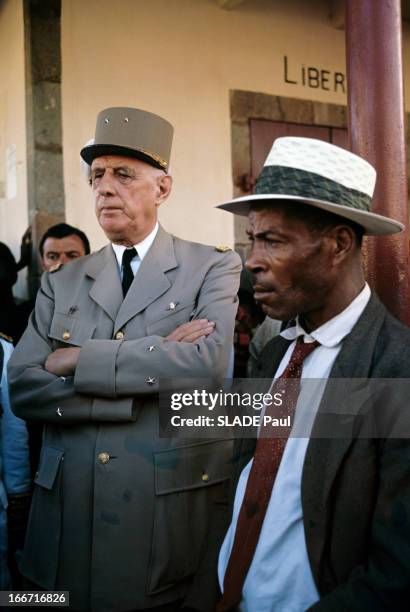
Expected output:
(222, 248)
(8, 338)
(56, 268)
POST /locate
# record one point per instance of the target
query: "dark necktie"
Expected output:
(265, 466)
(127, 274)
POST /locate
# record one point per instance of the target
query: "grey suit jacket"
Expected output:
(355, 490)
(132, 532)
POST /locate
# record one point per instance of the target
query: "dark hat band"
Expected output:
(294, 182)
(90, 152)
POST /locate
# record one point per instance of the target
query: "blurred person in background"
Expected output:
(62, 243)
(15, 483)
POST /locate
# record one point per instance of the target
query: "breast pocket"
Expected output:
(69, 330)
(189, 482)
(40, 560)
(164, 323)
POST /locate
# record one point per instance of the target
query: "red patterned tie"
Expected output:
(266, 461)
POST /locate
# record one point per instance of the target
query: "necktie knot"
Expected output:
(127, 273)
(303, 349)
(128, 256)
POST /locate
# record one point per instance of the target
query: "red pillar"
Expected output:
(377, 133)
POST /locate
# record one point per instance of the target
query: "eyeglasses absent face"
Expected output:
(61, 250)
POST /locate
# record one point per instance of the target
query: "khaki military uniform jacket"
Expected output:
(121, 517)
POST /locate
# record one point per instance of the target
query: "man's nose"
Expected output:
(254, 262)
(63, 259)
(105, 185)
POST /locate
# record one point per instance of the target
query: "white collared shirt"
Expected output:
(280, 578)
(142, 249)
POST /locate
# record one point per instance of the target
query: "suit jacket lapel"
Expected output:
(325, 454)
(106, 290)
(270, 357)
(150, 282)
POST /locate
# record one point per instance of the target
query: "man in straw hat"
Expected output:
(121, 518)
(321, 523)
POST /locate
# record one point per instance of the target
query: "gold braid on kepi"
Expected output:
(131, 132)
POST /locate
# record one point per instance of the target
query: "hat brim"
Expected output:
(91, 152)
(373, 224)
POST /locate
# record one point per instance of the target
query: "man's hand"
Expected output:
(25, 249)
(63, 362)
(192, 331)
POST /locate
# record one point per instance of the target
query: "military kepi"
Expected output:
(131, 132)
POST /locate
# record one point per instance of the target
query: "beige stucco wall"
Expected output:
(13, 183)
(180, 58)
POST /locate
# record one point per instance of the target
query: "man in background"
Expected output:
(62, 243)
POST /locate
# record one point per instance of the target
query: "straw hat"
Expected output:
(322, 175)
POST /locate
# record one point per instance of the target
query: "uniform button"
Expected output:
(103, 458)
(119, 335)
(150, 380)
(59, 412)
(205, 477)
(66, 335)
(151, 348)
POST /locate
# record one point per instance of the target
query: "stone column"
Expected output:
(43, 120)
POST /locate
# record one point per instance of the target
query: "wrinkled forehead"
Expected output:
(267, 213)
(281, 217)
(118, 161)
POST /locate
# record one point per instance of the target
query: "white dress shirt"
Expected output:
(279, 578)
(142, 249)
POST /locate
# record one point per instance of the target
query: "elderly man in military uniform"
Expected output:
(122, 518)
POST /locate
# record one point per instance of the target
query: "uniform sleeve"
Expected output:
(116, 369)
(38, 395)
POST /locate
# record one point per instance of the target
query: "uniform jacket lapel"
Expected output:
(106, 294)
(151, 280)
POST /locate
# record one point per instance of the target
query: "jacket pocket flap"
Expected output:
(191, 467)
(69, 330)
(49, 464)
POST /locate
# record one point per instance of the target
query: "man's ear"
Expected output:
(345, 242)
(164, 183)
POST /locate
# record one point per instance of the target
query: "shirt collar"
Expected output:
(331, 333)
(142, 247)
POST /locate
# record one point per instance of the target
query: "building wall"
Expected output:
(180, 59)
(13, 178)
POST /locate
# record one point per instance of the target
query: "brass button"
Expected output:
(66, 335)
(205, 477)
(103, 458)
(119, 335)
